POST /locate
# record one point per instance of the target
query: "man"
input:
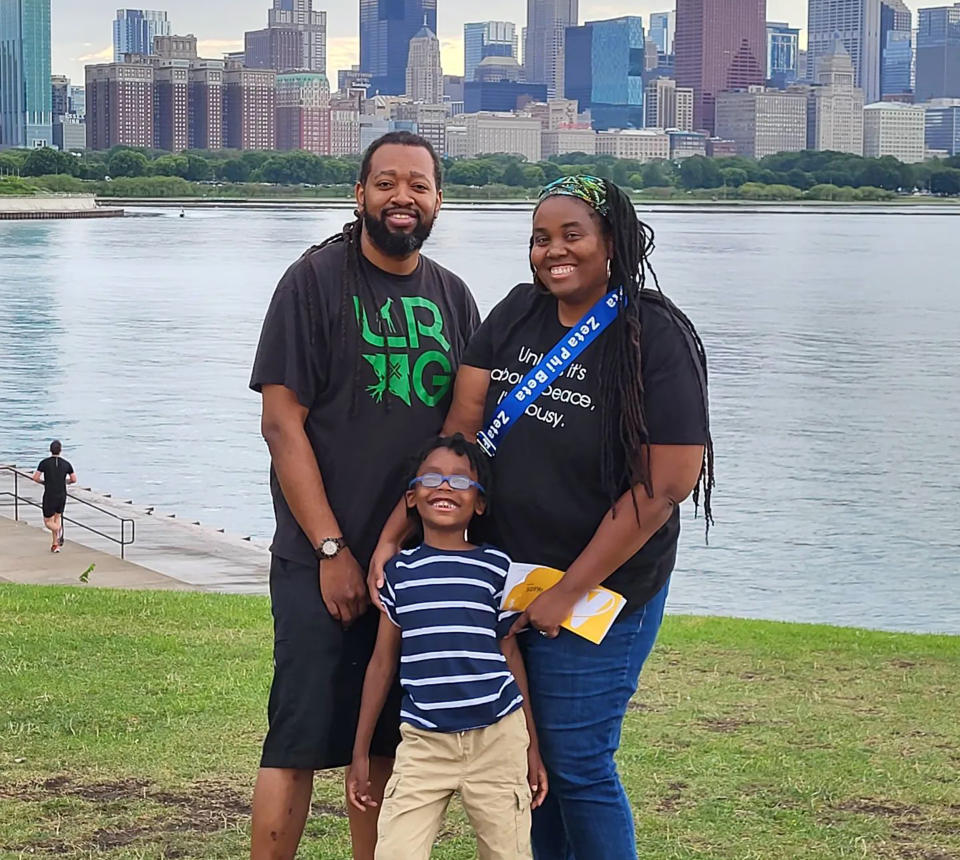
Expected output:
(55, 473)
(355, 366)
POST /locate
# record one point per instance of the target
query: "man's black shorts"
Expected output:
(53, 505)
(318, 678)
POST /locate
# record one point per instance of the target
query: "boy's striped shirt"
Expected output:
(447, 605)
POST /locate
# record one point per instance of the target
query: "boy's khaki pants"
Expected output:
(487, 766)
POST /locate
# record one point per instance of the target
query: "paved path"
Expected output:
(25, 559)
(192, 555)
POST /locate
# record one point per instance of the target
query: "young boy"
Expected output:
(466, 724)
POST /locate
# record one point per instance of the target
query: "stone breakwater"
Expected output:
(54, 207)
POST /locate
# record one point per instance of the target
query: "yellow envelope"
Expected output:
(592, 616)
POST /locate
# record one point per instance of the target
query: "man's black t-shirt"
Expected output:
(55, 471)
(368, 415)
(549, 496)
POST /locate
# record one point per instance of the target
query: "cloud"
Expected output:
(342, 53)
(210, 47)
(104, 55)
(451, 56)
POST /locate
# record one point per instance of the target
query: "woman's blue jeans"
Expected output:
(579, 692)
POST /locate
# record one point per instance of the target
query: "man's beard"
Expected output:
(396, 244)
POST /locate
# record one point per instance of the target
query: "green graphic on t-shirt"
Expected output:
(428, 376)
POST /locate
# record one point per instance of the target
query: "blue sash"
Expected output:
(550, 368)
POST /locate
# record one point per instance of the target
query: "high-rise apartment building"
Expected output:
(135, 29)
(249, 109)
(59, 96)
(431, 120)
(720, 45)
(763, 121)
(662, 29)
(605, 71)
(26, 95)
(386, 28)
(783, 51)
(835, 105)
(896, 47)
(938, 53)
(668, 106)
(171, 105)
(206, 104)
(303, 112)
(858, 24)
(295, 39)
(487, 39)
(943, 126)
(544, 41)
(896, 129)
(120, 105)
(77, 101)
(424, 77)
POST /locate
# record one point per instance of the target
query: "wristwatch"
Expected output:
(330, 548)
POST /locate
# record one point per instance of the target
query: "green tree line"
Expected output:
(808, 173)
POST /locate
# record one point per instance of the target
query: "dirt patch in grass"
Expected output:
(723, 725)
(908, 824)
(669, 802)
(203, 807)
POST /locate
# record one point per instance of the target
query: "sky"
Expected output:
(82, 29)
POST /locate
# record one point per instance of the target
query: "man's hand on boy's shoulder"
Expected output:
(536, 776)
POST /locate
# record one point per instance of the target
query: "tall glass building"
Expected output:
(783, 52)
(896, 47)
(487, 39)
(943, 125)
(26, 97)
(386, 28)
(604, 70)
(663, 26)
(938, 53)
(135, 29)
(858, 23)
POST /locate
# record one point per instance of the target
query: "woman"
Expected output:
(590, 472)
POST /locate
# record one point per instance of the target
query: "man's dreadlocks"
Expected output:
(624, 437)
(353, 278)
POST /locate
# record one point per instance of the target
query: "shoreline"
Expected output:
(910, 206)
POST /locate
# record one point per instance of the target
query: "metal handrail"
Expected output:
(17, 498)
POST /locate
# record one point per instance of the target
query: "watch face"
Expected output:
(329, 548)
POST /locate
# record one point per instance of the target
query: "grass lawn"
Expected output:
(130, 726)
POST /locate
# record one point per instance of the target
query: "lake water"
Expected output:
(833, 338)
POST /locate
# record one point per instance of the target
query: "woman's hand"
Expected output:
(358, 784)
(548, 611)
(378, 561)
(536, 776)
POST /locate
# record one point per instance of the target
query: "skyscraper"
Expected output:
(543, 49)
(386, 28)
(835, 105)
(783, 49)
(25, 90)
(896, 47)
(134, 31)
(303, 112)
(295, 39)
(663, 28)
(424, 79)
(487, 39)
(858, 24)
(604, 71)
(938, 53)
(720, 45)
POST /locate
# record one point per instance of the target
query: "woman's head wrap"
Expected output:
(590, 189)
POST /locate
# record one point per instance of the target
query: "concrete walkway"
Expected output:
(25, 559)
(179, 551)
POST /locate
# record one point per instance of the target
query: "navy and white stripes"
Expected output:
(447, 604)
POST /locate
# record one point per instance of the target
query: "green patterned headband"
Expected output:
(590, 189)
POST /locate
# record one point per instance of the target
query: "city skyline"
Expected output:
(82, 36)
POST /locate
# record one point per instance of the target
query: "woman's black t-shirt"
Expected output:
(549, 496)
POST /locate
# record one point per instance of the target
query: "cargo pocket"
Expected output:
(522, 816)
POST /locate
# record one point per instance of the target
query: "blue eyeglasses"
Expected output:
(432, 480)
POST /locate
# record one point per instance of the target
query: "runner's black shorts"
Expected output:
(53, 505)
(318, 678)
